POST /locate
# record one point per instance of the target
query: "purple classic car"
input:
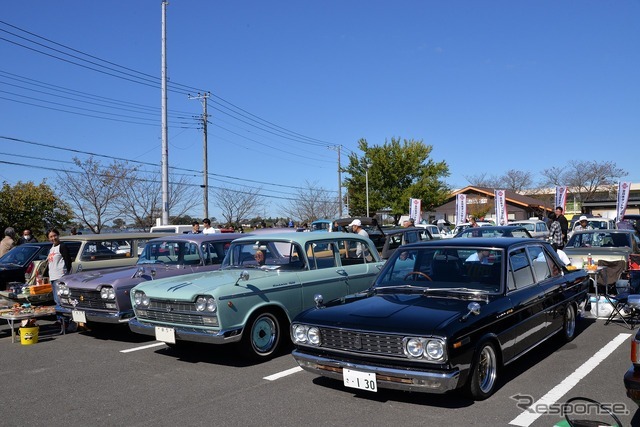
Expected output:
(103, 295)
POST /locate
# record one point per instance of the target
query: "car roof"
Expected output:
(201, 237)
(365, 220)
(301, 238)
(495, 242)
(400, 230)
(113, 236)
(526, 221)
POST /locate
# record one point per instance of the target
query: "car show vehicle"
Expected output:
(494, 231)
(461, 227)
(537, 228)
(322, 225)
(443, 315)
(103, 296)
(632, 376)
(608, 245)
(265, 280)
(593, 222)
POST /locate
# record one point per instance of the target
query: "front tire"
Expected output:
(262, 336)
(569, 323)
(484, 372)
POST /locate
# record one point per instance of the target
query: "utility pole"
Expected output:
(205, 174)
(337, 148)
(165, 131)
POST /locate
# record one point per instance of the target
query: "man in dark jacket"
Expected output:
(564, 224)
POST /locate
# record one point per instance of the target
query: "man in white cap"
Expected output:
(583, 224)
(356, 227)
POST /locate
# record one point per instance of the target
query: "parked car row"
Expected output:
(439, 315)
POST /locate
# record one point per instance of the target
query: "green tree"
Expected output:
(26, 205)
(397, 172)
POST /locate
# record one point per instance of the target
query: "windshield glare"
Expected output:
(440, 268)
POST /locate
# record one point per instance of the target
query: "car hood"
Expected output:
(121, 276)
(390, 313)
(187, 287)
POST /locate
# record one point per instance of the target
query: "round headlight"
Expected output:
(300, 333)
(313, 335)
(137, 298)
(201, 303)
(415, 347)
(211, 305)
(145, 300)
(435, 349)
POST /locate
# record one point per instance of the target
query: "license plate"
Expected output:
(361, 380)
(166, 334)
(79, 316)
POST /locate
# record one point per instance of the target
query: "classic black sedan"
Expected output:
(495, 231)
(443, 315)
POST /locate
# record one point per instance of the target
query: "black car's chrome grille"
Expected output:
(183, 313)
(362, 342)
(85, 299)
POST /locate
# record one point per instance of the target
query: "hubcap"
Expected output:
(571, 321)
(263, 334)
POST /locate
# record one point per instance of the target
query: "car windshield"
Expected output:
(170, 252)
(265, 254)
(599, 239)
(492, 232)
(19, 255)
(469, 268)
(529, 226)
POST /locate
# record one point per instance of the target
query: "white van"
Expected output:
(177, 229)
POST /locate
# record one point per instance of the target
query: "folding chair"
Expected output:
(627, 308)
(612, 272)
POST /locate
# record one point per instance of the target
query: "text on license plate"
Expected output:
(166, 334)
(361, 380)
(79, 316)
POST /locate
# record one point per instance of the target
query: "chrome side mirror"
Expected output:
(474, 308)
(319, 300)
(244, 276)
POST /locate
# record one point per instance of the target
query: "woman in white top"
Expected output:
(58, 259)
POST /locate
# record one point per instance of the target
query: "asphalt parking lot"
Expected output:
(109, 376)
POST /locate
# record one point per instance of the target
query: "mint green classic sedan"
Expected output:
(264, 282)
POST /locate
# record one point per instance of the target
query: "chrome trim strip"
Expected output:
(203, 336)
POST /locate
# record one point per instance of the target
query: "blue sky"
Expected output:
(491, 85)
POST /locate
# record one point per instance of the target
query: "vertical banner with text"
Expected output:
(415, 207)
(501, 207)
(461, 208)
(561, 197)
(623, 199)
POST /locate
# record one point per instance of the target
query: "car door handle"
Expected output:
(342, 272)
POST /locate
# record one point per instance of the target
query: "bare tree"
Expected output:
(311, 203)
(141, 200)
(483, 180)
(516, 180)
(94, 190)
(585, 177)
(238, 204)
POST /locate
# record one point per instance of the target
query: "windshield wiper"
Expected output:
(411, 288)
(465, 290)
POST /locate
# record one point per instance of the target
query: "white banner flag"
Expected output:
(415, 210)
(461, 208)
(623, 199)
(501, 208)
(561, 197)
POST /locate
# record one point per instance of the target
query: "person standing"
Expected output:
(356, 227)
(472, 222)
(583, 224)
(564, 224)
(208, 229)
(9, 241)
(59, 259)
(195, 228)
(555, 232)
(27, 237)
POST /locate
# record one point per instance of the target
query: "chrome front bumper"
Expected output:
(424, 381)
(190, 334)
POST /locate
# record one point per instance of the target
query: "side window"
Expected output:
(355, 252)
(395, 241)
(190, 255)
(520, 270)
(214, 252)
(412, 237)
(540, 262)
(321, 255)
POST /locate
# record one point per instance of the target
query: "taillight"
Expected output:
(30, 268)
(635, 351)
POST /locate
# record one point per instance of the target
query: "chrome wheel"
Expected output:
(569, 328)
(487, 369)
